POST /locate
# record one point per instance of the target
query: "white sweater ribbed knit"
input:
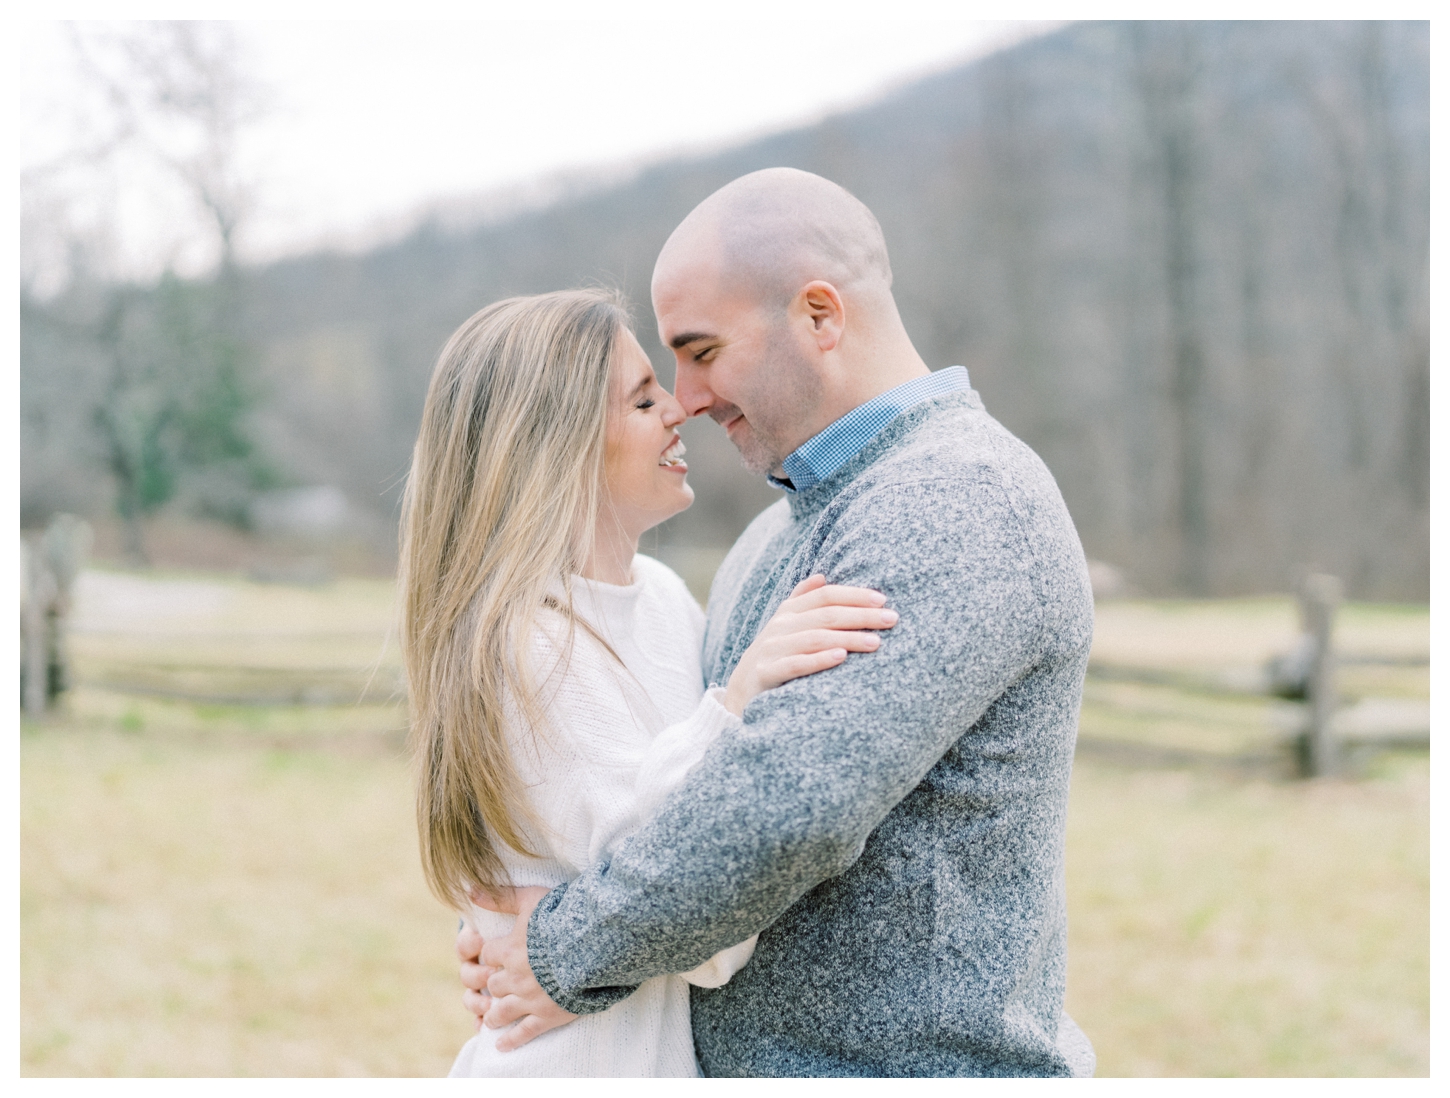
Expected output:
(618, 741)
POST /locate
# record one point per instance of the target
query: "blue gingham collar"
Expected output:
(819, 457)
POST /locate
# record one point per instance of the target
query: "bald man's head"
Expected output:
(775, 297)
(769, 233)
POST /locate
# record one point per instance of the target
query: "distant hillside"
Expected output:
(1187, 263)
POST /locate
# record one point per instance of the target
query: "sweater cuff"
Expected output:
(579, 1001)
(719, 718)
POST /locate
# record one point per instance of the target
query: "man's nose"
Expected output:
(691, 391)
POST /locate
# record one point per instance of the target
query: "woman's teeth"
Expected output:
(675, 455)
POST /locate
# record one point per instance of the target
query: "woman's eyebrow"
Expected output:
(644, 383)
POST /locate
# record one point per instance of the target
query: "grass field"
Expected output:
(213, 884)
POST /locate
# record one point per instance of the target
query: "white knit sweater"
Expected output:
(618, 741)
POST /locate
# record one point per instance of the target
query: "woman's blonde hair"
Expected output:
(506, 482)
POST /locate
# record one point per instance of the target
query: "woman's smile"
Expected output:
(642, 442)
(673, 458)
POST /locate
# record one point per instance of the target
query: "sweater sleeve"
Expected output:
(679, 747)
(597, 783)
(670, 758)
(586, 772)
(789, 799)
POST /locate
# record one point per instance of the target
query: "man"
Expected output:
(894, 827)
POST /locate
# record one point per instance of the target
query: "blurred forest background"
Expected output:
(1186, 262)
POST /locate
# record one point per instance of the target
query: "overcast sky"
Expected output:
(373, 121)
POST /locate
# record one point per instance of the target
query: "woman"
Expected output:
(554, 673)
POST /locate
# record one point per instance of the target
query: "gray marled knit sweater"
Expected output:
(894, 826)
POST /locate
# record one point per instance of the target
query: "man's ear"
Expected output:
(821, 304)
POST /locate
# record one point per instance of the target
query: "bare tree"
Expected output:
(1168, 71)
(174, 390)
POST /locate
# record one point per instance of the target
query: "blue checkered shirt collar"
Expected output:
(819, 457)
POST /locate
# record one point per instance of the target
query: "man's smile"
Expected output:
(730, 419)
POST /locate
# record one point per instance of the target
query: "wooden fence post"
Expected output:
(1319, 599)
(65, 545)
(36, 594)
(49, 566)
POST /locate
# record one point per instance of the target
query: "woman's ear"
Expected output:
(820, 303)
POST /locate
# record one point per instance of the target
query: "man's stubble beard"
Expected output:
(758, 456)
(790, 394)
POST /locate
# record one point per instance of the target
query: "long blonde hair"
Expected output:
(506, 482)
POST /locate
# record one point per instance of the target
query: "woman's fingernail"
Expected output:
(878, 598)
(890, 616)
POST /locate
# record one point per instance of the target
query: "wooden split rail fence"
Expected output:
(1307, 674)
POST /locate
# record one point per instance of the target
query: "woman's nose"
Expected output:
(672, 412)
